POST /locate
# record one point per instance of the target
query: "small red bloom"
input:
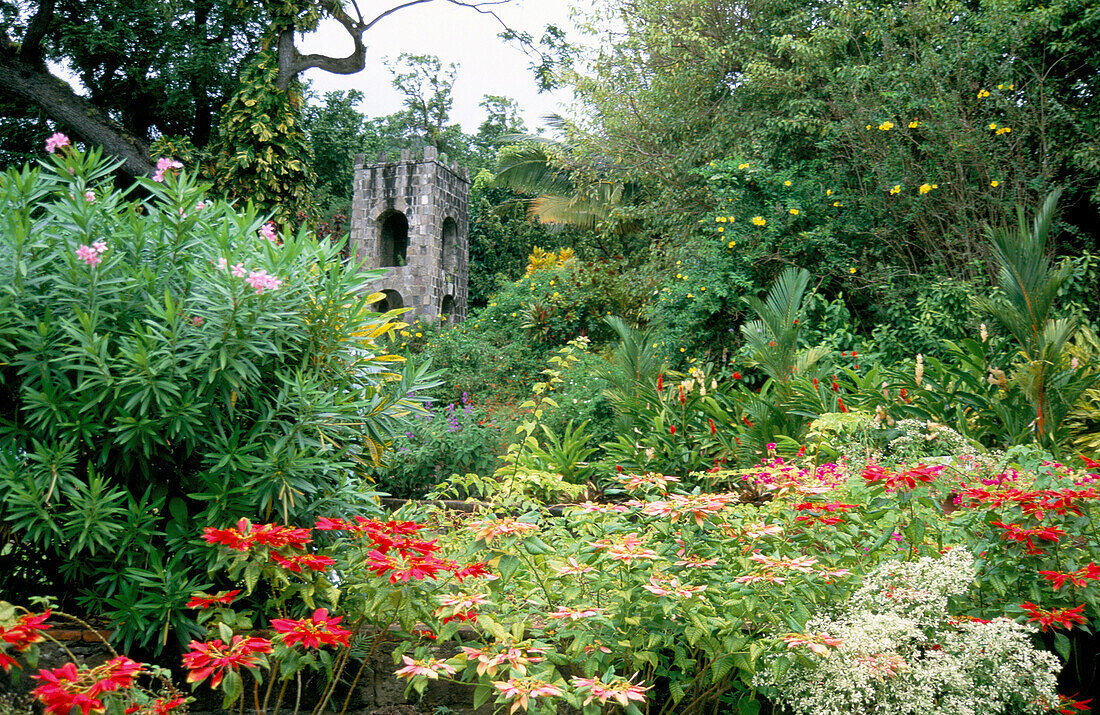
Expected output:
(26, 631)
(713, 429)
(672, 429)
(736, 376)
(203, 600)
(660, 382)
(295, 562)
(1017, 533)
(214, 659)
(472, 571)
(1055, 617)
(1080, 577)
(312, 632)
(1072, 706)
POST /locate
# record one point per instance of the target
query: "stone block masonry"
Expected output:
(411, 218)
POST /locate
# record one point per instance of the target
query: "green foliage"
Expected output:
(262, 154)
(149, 389)
(458, 438)
(1029, 288)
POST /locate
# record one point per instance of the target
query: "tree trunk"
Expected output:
(34, 83)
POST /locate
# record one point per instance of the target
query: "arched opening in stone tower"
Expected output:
(447, 309)
(390, 302)
(394, 247)
(450, 245)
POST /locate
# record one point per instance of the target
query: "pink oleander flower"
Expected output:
(89, 196)
(261, 280)
(55, 142)
(238, 270)
(267, 232)
(163, 165)
(621, 691)
(430, 668)
(89, 254)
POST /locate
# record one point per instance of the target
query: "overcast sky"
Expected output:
(487, 64)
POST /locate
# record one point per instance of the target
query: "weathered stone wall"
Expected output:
(433, 197)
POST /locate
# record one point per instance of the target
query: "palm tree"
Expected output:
(1025, 307)
(568, 191)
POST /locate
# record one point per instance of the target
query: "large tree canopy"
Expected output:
(154, 69)
(850, 100)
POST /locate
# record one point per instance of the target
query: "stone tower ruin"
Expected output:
(410, 217)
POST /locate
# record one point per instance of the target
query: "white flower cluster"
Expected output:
(899, 655)
(918, 590)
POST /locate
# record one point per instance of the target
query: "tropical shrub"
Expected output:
(167, 363)
(457, 438)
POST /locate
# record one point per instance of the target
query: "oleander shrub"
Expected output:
(166, 363)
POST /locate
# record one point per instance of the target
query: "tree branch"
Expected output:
(32, 81)
(31, 48)
(292, 63)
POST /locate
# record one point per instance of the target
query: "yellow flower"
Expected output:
(851, 270)
(758, 220)
(730, 219)
(1003, 130)
(868, 126)
(419, 335)
(896, 189)
(690, 295)
(914, 124)
(556, 294)
(992, 127)
(982, 94)
(787, 182)
(678, 275)
(731, 244)
(719, 219)
(925, 188)
(994, 184)
(794, 212)
(886, 126)
(935, 186)
(837, 204)
(720, 229)
(742, 166)
(702, 288)
(828, 192)
(1012, 86)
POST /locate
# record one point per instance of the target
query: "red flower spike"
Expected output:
(660, 382)
(1072, 706)
(713, 429)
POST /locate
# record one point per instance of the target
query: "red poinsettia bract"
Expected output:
(312, 632)
(205, 600)
(68, 687)
(1055, 617)
(214, 659)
